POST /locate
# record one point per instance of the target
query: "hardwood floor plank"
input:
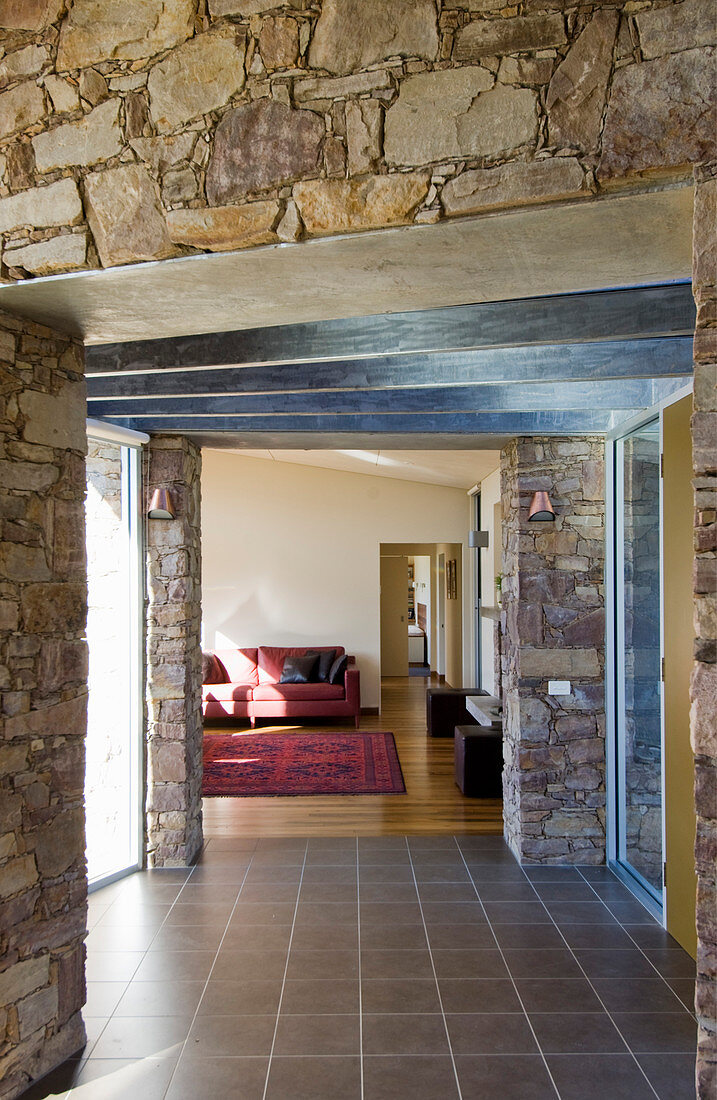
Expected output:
(432, 805)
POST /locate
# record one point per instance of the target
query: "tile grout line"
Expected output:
(211, 969)
(587, 979)
(510, 975)
(435, 976)
(639, 947)
(286, 971)
(360, 978)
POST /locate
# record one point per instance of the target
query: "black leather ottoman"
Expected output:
(446, 709)
(479, 760)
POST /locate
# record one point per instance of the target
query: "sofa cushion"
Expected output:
(271, 660)
(299, 670)
(240, 665)
(213, 671)
(338, 668)
(227, 693)
(323, 666)
(297, 692)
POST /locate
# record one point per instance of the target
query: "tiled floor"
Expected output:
(425, 968)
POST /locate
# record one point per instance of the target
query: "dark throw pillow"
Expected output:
(298, 670)
(213, 671)
(338, 668)
(323, 665)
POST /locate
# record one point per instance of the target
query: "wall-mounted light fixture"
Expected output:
(541, 510)
(478, 539)
(161, 506)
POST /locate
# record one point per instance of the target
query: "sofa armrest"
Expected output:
(352, 686)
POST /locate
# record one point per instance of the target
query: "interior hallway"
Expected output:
(432, 803)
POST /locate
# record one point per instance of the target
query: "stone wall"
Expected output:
(553, 621)
(43, 671)
(204, 125)
(704, 676)
(174, 664)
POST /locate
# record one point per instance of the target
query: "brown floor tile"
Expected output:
(116, 937)
(409, 1077)
(458, 912)
(317, 1036)
(671, 1075)
(518, 912)
(577, 1033)
(113, 966)
(393, 937)
(190, 937)
(446, 891)
(339, 937)
(542, 963)
(597, 1076)
(387, 873)
(551, 892)
(657, 1032)
(141, 1037)
(231, 1036)
(557, 995)
(525, 937)
(485, 963)
(323, 964)
(116, 1079)
(478, 995)
(396, 964)
(314, 1079)
(404, 1034)
(320, 996)
(164, 998)
(615, 964)
(319, 893)
(103, 998)
(185, 966)
(239, 998)
(390, 913)
(453, 936)
(506, 891)
(388, 892)
(671, 963)
(603, 937)
(258, 912)
(273, 937)
(490, 1033)
(205, 913)
(630, 912)
(343, 875)
(218, 1078)
(493, 1077)
(434, 872)
(312, 914)
(259, 965)
(635, 994)
(579, 912)
(395, 996)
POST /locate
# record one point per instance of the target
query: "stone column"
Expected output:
(554, 628)
(703, 716)
(43, 694)
(174, 667)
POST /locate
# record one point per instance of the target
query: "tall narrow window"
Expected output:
(113, 762)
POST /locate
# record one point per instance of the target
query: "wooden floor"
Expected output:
(432, 803)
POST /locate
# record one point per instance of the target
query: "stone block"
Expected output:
(495, 37)
(64, 719)
(260, 145)
(30, 15)
(363, 134)
(20, 107)
(222, 228)
(168, 762)
(97, 30)
(17, 875)
(354, 34)
(95, 137)
(22, 563)
(703, 693)
(25, 62)
(676, 27)
(576, 96)
(704, 248)
(51, 608)
(65, 253)
(22, 978)
(196, 78)
(63, 95)
(125, 217)
(60, 843)
(179, 185)
(37, 1011)
(543, 664)
(55, 419)
(338, 206)
(56, 204)
(279, 42)
(330, 88)
(458, 113)
(660, 116)
(515, 184)
(161, 153)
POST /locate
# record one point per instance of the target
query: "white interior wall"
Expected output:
(490, 566)
(290, 554)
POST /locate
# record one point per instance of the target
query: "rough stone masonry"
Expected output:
(43, 695)
(161, 128)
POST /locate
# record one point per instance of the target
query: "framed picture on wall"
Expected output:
(451, 579)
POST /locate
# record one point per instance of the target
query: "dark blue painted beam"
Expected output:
(610, 359)
(533, 396)
(643, 312)
(491, 423)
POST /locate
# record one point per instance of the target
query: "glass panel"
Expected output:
(110, 790)
(639, 682)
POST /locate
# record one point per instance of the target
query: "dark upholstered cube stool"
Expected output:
(446, 709)
(479, 760)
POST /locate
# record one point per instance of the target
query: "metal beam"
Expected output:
(534, 396)
(492, 423)
(610, 359)
(644, 312)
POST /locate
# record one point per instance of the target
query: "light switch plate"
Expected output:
(558, 687)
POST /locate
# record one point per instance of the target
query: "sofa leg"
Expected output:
(253, 723)
(358, 720)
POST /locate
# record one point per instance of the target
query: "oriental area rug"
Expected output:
(245, 765)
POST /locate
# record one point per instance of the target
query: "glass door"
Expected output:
(638, 658)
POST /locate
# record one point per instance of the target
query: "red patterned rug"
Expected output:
(256, 764)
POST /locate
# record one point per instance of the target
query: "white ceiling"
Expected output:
(456, 469)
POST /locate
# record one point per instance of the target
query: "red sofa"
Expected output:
(252, 689)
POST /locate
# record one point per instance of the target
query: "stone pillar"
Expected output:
(174, 666)
(43, 694)
(554, 628)
(703, 716)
